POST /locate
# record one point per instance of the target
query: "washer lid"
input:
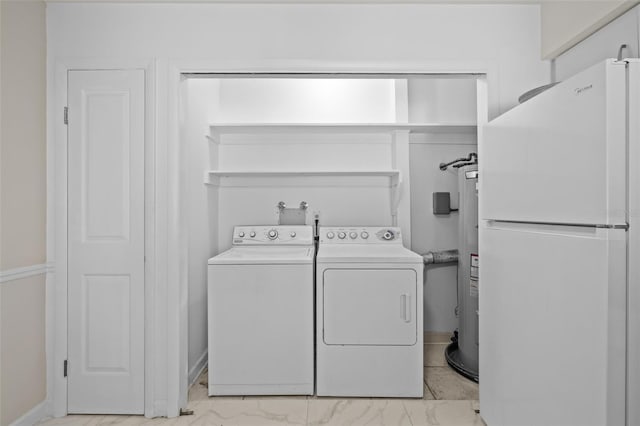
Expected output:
(365, 253)
(272, 255)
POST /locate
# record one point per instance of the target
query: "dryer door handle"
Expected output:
(405, 307)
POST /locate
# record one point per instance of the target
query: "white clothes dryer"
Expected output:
(369, 332)
(260, 310)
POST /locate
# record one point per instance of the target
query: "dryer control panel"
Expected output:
(360, 235)
(261, 235)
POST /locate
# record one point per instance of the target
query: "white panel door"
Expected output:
(561, 156)
(369, 306)
(106, 242)
(552, 325)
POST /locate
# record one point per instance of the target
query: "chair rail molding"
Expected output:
(26, 271)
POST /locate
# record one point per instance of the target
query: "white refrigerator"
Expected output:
(559, 189)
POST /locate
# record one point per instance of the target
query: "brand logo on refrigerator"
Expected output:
(579, 90)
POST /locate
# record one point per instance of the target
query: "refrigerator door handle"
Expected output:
(510, 223)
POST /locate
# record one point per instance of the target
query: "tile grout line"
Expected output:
(429, 389)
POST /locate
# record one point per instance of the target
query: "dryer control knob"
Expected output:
(252, 234)
(388, 235)
(293, 235)
(273, 234)
(353, 235)
(330, 235)
(342, 235)
(241, 234)
(364, 235)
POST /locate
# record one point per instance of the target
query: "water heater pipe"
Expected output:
(442, 256)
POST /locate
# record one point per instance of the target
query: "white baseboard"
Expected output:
(35, 415)
(196, 370)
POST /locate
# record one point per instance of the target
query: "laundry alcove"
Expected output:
(359, 149)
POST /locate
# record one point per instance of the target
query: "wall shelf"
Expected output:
(213, 177)
(397, 134)
(218, 129)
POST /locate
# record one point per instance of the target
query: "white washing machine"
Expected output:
(369, 333)
(260, 308)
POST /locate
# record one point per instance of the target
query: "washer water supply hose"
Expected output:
(442, 256)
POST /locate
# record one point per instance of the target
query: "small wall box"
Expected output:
(441, 203)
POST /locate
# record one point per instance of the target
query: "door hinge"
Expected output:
(66, 115)
(65, 366)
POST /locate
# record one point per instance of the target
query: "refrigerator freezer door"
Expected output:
(560, 157)
(552, 325)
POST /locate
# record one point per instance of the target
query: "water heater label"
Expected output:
(473, 288)
(475, 266)
(474, 275)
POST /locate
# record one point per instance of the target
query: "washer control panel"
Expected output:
(360, 235)
(273, 234)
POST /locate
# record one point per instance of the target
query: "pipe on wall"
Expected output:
(441, 256)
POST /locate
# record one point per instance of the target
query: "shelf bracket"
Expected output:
(212, 139)
(211, 179)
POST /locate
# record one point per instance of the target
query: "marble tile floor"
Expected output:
(441, 380)
(450, 400)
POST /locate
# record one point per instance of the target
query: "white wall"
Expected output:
(506, 38)
(601, 45)
(306, 100)
(439, 100)
(199, 98)
(23, 134)
(566, 23)
(503, 40)
(22, 208)
(22, 325)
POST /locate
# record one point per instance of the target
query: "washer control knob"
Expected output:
(353, 235)
(252, 234)
(342, 235)
(364, 235)
(388, 235)
(241, 234)
(272, 234)
(293, 235)
(330, 235)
